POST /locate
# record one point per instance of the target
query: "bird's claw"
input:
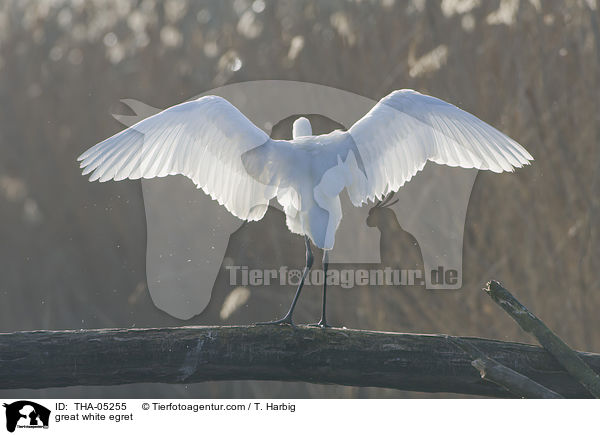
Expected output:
(322, 324)
(285, 321)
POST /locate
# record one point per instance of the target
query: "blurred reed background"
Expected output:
(72, 253)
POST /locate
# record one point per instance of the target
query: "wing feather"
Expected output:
(406, 129)
(202, 139)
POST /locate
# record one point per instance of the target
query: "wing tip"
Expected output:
(84, 155)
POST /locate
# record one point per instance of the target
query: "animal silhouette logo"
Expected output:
(188, 233)
(26, 414)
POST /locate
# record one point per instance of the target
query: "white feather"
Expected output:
(202, 139)
(406, 129)
(233, 161)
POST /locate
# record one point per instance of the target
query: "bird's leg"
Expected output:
(287, 319)
(323, 322)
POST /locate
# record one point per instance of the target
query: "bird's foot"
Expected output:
(322, 324)
(287, 320)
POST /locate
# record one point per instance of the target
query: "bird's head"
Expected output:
(381, 211)
(301, 128)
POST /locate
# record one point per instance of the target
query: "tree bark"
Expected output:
(516, 383)
(428, 363)
(491, 370)
(529, 322)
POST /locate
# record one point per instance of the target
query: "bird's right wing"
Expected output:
(406, 129)
(202, 139)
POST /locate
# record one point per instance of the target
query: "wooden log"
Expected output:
(519, 385)
(529, 322)
(428, 363)
(514, 382)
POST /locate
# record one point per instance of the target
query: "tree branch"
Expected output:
(491, 370)
(567, 357)
(428, 363)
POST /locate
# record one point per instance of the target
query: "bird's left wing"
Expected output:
(202, 139)
(406, 129)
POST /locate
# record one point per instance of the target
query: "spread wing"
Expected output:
(406, 129)
(202, 139)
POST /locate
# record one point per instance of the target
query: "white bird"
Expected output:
(236, 163)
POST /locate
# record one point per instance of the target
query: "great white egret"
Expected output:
(237, 164)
